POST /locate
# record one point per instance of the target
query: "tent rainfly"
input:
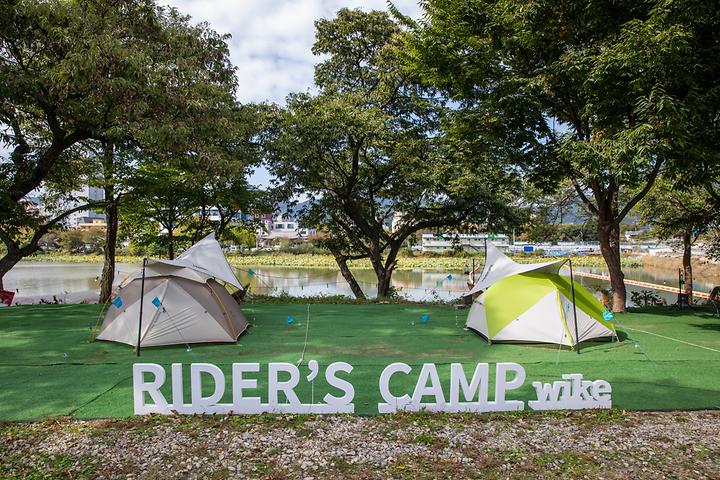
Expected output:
(184, 301)
(533, 303)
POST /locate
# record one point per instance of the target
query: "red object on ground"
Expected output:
(6, 297)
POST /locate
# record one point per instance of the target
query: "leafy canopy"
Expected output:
(369, 151)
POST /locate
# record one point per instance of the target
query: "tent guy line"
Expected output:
(672, 339)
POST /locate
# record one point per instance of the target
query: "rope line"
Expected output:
(307, 329)
(672, 339)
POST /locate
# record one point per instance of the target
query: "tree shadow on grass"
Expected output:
(713, 327)
(663, 394)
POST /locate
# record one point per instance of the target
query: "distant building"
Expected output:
(76, 220)
(213, 215)
(283, 225)
(469, 242)
(86, 218)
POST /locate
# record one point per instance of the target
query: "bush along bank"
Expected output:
(327, 261)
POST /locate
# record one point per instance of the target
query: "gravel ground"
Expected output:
(602, 444)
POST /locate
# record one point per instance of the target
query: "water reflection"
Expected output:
(33, 278)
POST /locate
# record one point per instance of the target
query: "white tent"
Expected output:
(183, 301)
(533, 303)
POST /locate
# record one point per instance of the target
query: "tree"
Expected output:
(102, 78)
(194, 116)
(597, 92)
(67, 71)
(369, 153)
(175, 202)
(676, 211)
(548, 215)
(85, 71)
(162, 203)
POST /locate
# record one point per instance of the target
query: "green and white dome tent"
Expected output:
(533, 303)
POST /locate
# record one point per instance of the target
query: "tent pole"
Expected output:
(484, 259)
(142, 298)
(572, 291)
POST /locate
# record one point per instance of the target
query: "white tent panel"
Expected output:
(498, 266)
(588, 327)
(124, 327)
(477, 320)
(180, 318)
(207, 257)
(160, 268)
(540, 323)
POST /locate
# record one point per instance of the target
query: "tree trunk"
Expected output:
(11, 258)
(383, 284)
(111, 214)
(108, 273)
(171, 246)
(384, 271)
(609, 237)
(349, 277)
(687, 263)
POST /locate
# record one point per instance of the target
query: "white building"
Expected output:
(80, 219)
(281, 227)
(469, 242)
(85, 218)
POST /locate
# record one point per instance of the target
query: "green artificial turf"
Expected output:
(49, 367)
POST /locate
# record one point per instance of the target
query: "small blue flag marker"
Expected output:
(117, 302)
(290, 320)
(607, 315)
(156, 302)
(425, 318)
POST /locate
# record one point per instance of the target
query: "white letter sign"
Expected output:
(285, 381)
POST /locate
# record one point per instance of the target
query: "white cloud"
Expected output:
(271, 39)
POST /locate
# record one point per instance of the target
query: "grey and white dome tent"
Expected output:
(184, 301)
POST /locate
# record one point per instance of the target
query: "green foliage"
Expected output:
(135, 253)
(127, 96)
(82, 241)
(302, 248)
(645, 298)
(675, 209)
(602, 94)
(244, 236)
(283, 298)
(368, 152)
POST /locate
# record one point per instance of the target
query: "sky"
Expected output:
(272, 40)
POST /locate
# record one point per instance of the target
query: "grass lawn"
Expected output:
(49, 367)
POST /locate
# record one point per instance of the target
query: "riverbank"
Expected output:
(701, 266)
(305, 260)
(593, 445)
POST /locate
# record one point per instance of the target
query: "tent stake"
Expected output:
(572, 291)
(142, 298)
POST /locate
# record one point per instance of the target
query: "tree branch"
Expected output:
(649, 182)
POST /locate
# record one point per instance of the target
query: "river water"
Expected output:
(45, 278)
